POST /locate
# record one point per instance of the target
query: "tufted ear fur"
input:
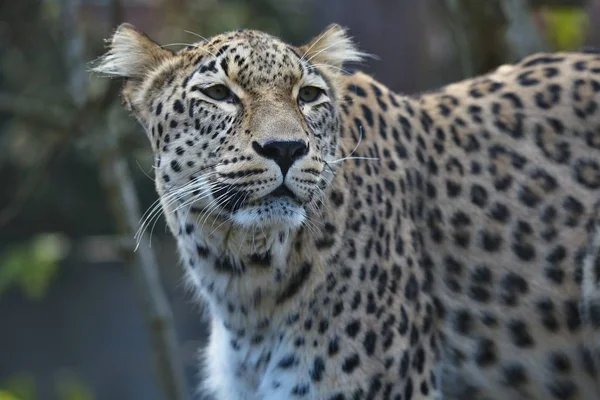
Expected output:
(131, 55)
(332, 47)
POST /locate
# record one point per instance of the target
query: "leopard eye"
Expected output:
(309, 94)
(218, 92)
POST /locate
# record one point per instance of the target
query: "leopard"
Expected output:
(351, 242)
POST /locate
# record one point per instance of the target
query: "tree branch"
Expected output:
(122, 198)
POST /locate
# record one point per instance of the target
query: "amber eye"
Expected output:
(218, 92)
(309, 94)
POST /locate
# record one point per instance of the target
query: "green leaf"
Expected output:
(18, 387)
(566, 27)
(32, 265)
(69, 388)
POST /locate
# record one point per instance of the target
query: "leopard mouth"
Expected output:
(283, 191)
(232, 199)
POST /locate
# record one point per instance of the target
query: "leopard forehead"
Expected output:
(249, 58)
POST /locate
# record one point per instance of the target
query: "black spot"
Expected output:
(525, 79)
(350, 363)
(288, 361)
(338, 307)
(225, 265)
(367, 114)
(479, 195)
(499, 212)
(481, 275)
(462, 321)
(560, 362)
(225, 65)
(337, 198)
(189, 228)
(370, 342)
(418, 361)
(175, 166)
(485, 352)
(408, 389)
(587, 172)
(593, 313)
(178, 106)
(541, 60)
(555, 274)
(316, 373)
(524, 251)
(562, 390)
(353, 328)
(403, 324)
(308, 324)
(202, 251)
(490, 241)
(358, 90)
(513, 285)
(453, 189)
(520, 334)
(295, 283)
(557, 255)
(263, 260)
(514, 374)
(587, 360)
(479, 293)
(528, 197)
(502, 183)
(572, 315)
(404, 364)
(334, 346)
(489, 320)
(411, 289)
(300, 390)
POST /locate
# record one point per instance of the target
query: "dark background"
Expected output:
(71, 322)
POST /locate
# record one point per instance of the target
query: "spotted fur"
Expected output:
(365, 244)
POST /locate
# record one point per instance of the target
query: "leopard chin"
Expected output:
(272, 212)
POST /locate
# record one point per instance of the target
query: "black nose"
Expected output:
(284, 153)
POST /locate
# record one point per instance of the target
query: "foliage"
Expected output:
(31, 265)
(72, 389)
(565, 27)
(18, 387)
(23, 387)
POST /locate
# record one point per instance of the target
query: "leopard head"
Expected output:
(242, 125)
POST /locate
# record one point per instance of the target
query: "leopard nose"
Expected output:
(284, 153)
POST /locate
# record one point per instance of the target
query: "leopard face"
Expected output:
(244, 128)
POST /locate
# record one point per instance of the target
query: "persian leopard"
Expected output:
(354, 243)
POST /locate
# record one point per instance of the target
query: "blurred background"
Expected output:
(83, 316)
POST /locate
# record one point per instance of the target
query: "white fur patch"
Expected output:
(278, 214)
(332, 47)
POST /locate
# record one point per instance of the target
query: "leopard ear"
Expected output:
(131, 54)
(333, 47)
